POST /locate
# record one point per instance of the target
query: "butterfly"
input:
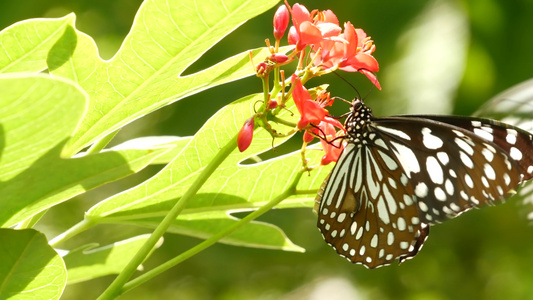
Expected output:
(398, 175)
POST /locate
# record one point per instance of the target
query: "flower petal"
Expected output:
(350, 35)
(329, 29)
(310, 33)
(372, 77)
(300, 14)
(330, 17)
(299, 94)
(312, 112)
(359, 62)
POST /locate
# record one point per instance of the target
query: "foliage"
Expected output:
(61, 103)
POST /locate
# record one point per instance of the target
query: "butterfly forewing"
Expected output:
(512, 140)
(451, 168)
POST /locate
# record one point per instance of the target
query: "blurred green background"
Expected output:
(439, 56)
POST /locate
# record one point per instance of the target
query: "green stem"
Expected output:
(282, 121)
(116, 286)
(212, 240)
(72, 231)
(101, 143)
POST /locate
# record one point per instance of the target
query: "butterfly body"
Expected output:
(398, 175)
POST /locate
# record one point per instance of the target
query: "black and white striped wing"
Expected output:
(366, 208)
(407, 172)
(456, 163)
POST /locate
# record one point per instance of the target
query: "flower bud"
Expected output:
(272, 104)
(281, 21)
(279, 58)
(308, 137)
(244, 138)
(293, 36)
(261, 69)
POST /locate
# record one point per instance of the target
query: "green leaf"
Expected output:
(513, 106)
(233, 186)
(37, 116)
(146, 72)
(230, 187)
(25, 45)
(37, 113)
(205, 224)
(174, 144)
(29, 267)
(89, 262)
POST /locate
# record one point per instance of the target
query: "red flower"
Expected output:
(332, 147)
(311, 112)
(350, 51)
(358, 53)
(281, 21)
(244, 138)
(311, 28)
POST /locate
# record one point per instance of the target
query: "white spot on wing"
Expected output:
(429, 140)
(374, 241)
(401, 224)
(463, 145)
(407, 159)
(391, 201)
(383, 213)
(469, 182)
(515, 153)
(483, 134)
(395, 132)
(439, 194)
(443, 158)
(391, 164)
(489, 155)
(489, 172)
(421, 190)
(466, 160)
(511, 136)
(434, 170)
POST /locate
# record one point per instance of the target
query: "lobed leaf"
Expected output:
(205, 224)
(29, 267)
(234, 186)
(25, 45)
(89, 262)
(145, 74)
(174, 144)
(37, 116)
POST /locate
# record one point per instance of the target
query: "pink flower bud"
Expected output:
(279, 58)
(308, 138)
(281, 21)
(244, 138)
(293, 36)
(261, 68)
(272, 104)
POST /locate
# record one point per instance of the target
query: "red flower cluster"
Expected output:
(331, 47)
(350, 51)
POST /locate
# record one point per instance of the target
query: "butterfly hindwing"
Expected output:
(358, 213)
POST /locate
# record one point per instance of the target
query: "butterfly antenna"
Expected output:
(344, 79)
